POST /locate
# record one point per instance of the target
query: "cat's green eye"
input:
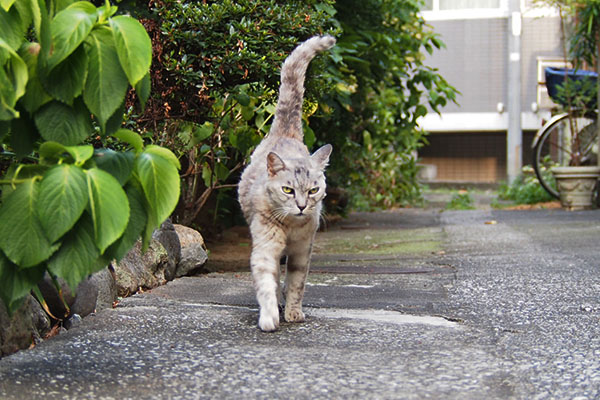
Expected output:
(287, 190)
(313, 190)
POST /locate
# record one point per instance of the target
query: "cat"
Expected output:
(281, 193)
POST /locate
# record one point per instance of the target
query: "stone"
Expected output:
(141, 271)
(168, 237)
(24, 328)
(193, 257)
(85, 298)
(105, 282)
(188, 235)
(193, 250)
(73, 321)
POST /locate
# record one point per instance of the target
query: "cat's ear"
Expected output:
(274, 164)
(321, 156)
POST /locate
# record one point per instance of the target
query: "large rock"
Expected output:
(25, 327)
(106, 283)
(168, 237)
(193, 250)
(142, 271)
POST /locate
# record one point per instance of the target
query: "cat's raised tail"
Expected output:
(288, 113)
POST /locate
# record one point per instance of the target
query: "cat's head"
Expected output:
(296, 186)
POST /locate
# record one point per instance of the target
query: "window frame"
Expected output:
(466, 13)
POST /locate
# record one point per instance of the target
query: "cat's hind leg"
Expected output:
(264, 262)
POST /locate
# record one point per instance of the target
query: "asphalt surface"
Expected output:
(409, 304)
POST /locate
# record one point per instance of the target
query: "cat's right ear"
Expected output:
(274, 164)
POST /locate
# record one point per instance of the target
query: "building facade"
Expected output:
(468, 141)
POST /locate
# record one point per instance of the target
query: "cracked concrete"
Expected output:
(503, 310)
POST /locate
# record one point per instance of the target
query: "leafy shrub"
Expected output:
(68, 209)
(215, 77)
(381, 88)
(461, 201)
(526, 188)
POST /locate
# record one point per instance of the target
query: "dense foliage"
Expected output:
(382, 88)
(216, 75)
(67, 208)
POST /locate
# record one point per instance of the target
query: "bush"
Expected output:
(216, 76)
(381, 88)
(68, 209)
(364, 96)
(526, 188)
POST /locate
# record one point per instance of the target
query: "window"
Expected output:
(464, 9)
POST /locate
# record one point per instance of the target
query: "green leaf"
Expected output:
(160, 181)
(35, 95)
(12, 27)
(6, 4)
(164, 153)
(202, 132)
(118, 164)
(70, 27)
(61, 200)
(115, 121)
(108, 207)
(142, 89)
(78, 256)
(106, 83)
(16, 283)
(54, 151)
(22, 237)
(63, 124)
(136, 224)
(133, 47)
(131, 138)
(65, 82)
(13, 80)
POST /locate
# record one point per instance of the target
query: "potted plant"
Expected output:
(576, 92)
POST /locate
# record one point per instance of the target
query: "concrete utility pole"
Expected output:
(514, 138)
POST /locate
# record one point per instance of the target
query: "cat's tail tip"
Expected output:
(325, 42)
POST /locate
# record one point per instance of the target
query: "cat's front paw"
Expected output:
(294, 315)
(268, 321)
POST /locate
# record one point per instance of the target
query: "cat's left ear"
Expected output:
(321, 156)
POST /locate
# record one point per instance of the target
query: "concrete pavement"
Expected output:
(409, 304)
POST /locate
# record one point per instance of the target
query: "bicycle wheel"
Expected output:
(552, 146)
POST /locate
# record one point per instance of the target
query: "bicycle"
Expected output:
(552, 145)
(567, 136)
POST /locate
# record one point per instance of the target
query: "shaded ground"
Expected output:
(408, 304)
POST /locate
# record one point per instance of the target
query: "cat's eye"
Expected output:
(313, 190)
(287, 190)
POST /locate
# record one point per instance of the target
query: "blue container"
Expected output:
(556, 76)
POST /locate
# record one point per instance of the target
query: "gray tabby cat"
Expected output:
(280, 193)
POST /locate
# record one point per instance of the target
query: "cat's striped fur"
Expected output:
(281, 192)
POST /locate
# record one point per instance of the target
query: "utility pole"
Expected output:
(514, 137)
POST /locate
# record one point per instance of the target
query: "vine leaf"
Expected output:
(160, 182)
(133, 47)
(118, 164)
(78, 256)
(22, 237)
(69, 28)
(61, 200)
(108, 206)
(16, 283)
(60, 123)
(106, 83)
(137, 222)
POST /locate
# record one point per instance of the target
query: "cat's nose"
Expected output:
(301, 208)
